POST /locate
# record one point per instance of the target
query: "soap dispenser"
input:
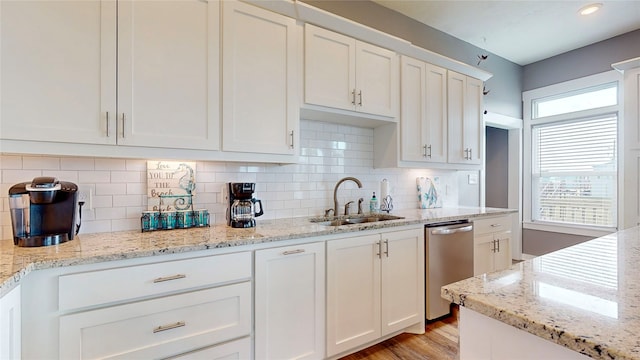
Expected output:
(373, 203)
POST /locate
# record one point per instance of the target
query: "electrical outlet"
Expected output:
(86, 195)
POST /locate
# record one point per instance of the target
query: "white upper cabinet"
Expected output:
(168, 74)
(261, 101)
(60, 66)
(423, 116)
(57, 71)
(347, 74)
(464, 119)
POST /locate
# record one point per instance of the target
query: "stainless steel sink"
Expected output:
(354, 220)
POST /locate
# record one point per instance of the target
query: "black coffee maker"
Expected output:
(43, 211)
(243, 208)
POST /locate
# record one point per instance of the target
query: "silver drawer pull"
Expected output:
(495, 225)
(169, 326)
(291, 252)
(169, 278)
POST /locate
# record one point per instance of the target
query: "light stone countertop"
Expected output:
(585, 297)
(17, 262)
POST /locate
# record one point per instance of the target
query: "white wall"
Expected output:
(328, 153)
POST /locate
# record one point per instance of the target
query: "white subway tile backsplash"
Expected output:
(328, 153)
(11, 177)
(10, 162)
(40, 162)
(75, 163)
(98, 176)
(110, 164)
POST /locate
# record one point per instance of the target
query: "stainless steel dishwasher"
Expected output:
(448, 258)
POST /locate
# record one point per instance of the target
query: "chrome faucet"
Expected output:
(335, 191)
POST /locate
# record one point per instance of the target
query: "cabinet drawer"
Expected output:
(491, 225)
(160, 327)
(131, 282)
(238, 349)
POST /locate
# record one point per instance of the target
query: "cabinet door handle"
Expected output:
(493, 243)
(429, 147)
(292, 252)
(379, 244)
(107, 124)
(360, 95)
(123, 119)
(424, 150)
(470, 153)
(353, 97)
(169, 278)
(169, 326)
(291, 134)
(498, 243)
(386, 246)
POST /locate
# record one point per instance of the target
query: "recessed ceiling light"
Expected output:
(590, 9)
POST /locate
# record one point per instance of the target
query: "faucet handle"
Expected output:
(346, 207)
(360, 205)
(327, 212)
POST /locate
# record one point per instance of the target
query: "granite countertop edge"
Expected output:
(575, 342)
(25, 260)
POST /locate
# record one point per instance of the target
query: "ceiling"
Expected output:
(523, 31)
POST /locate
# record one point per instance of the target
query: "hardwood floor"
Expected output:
(439, 342)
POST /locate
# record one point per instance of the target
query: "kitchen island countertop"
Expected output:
(585, 297)
(17, 262)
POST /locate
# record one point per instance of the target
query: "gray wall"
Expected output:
(588, 60)
(497, 168)
(544, 242)
(506, 83)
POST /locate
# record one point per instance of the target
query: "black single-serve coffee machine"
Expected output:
(242, 207)
(43, 211)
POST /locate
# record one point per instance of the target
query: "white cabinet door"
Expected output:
(464, 109)
(168, 74)
(402, 279)
(58, 71)
(261, 103)
(436, 113)
(10, 325)
(483, 253)
(330, 68)
(413, 127)
(473, 126)
(289, 302)
(376, 80)
(423, 112)
(347, 74)
(353, 292)
(502, 255)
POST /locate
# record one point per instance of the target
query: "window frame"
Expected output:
(568, 87)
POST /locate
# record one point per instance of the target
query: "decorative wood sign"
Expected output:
(171, 185)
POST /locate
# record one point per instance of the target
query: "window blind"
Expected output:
(574, 171)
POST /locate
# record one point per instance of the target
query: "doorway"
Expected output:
(501, 184)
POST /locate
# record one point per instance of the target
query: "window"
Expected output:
(571, 155)
(574, 172)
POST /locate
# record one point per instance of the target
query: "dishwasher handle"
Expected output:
(449, 231)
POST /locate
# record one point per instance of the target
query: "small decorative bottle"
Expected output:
(373, 204)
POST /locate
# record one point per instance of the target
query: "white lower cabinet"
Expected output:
(375, 287)
(156, 307)
(160, 327)
(492, 251)
(10, 321)
(289, 302)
